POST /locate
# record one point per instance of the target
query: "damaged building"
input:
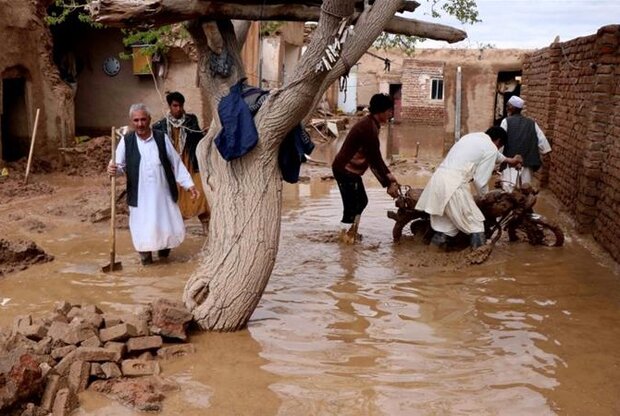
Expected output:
(30, 81)
(427, 86)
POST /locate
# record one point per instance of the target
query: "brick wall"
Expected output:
(417, 105)
(572, 89)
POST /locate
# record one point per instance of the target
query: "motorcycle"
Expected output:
(503, 211)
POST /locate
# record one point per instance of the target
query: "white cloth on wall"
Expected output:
(447, 197)
(510, 174)
(156, 223)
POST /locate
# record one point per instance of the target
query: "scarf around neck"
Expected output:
(171, 123)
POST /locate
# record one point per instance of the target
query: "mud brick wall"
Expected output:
(417, 105)
(572, 89)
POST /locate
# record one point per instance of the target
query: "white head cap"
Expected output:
(516, 102)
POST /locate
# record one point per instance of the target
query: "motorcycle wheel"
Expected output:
(539, 232)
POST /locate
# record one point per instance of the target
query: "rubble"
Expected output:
(46, 362)
(323, 130)
(144, 393)
(170, 319)
(18, 255)
(89, 158)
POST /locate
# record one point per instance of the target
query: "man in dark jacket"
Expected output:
(360, 151)
(183, 129)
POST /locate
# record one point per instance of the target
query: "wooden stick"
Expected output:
(34, 136)
(113, 204)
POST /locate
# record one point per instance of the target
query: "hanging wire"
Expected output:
(162, 99)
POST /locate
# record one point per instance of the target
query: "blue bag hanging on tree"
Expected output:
(238, 135)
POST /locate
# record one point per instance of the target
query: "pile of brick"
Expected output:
(46, 362)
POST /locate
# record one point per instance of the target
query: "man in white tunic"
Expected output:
(525, 138)
(153, 169)
(448, 197)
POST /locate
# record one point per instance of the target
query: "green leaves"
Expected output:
(270, 27)
(157, 40)
(466, 11)
(60, 10)
(405, 43)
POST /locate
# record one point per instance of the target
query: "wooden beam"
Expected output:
(408, 5)
(128, 13)
(421, 29)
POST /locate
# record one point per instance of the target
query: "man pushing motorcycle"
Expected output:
(448, 197)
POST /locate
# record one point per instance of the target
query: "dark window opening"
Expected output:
(508, 84)
(437, 89)
(14, 120)
(396, 94)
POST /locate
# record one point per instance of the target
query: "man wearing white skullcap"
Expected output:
(516, 102)
(524, 138)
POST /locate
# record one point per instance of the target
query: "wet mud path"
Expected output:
(371, 329)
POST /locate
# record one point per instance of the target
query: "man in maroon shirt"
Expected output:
(360, 151)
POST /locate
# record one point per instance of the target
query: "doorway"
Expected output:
(396, 94)
(13, 119)
(508, 84)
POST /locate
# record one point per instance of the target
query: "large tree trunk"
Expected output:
(245, 198)
(245, 194)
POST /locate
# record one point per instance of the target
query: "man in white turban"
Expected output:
(524, 138)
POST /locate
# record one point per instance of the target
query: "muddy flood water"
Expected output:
(372, 329)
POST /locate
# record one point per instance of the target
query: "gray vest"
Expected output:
(132, 160)
(522, 140)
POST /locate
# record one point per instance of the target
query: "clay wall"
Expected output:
(572, 89)
(280, 54)
(25, 53)
(103, 101)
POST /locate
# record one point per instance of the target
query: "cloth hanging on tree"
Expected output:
(238, 135)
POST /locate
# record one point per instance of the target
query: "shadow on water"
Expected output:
(366, 329)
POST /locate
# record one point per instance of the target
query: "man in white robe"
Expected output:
(153, 168)
(448, 197)
(526, 138)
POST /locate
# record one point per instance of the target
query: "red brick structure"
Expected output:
(572, 89)
(417, 102)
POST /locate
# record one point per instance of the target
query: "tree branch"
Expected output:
(126, 13)
(241, 30)
(367, 28)
(412, 27)
(291, 103)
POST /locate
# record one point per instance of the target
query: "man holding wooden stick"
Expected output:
(153, 169)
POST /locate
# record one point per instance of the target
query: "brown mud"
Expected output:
(374, 328)
(18, 255)
(87, 159)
